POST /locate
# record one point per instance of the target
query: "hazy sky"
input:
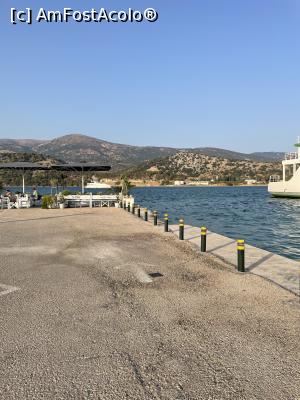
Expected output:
(221, 73)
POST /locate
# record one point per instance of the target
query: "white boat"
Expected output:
(289, 184)
(96, 184)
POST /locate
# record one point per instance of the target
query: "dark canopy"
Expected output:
(23, 166)
(79, 167)
(82, 167)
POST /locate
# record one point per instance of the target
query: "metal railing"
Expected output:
(291, 156)
(275, 178)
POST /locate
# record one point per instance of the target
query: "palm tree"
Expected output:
(125, 184)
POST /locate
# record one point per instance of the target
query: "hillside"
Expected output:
(190, 164)
(268, 156)
(78, 147)
(6, 157)
(11, 177)
(19, 145)
(233, 155)
(85, 148)
(179, 166)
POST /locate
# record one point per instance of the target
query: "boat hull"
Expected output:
(289, 186)
(289, 189)
(97, 186)
(286, 195)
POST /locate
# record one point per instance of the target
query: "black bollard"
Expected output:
(155, 218)
(181, 229)
(128, 207)
(139, 212)
(133, 209)
(146, 214)
(166, 223)
(121, 204)
(241, 255)
(203, 239)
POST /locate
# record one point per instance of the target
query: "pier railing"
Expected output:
(291, 156)
(275, 178)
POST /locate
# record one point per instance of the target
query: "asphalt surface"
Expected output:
(96, 304)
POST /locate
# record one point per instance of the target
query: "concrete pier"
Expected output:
(99, 304)
(280, 270)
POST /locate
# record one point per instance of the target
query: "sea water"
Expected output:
(243, 212)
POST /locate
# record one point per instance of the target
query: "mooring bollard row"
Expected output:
(241, 255)
(145, 214)
(181, 229)
(203, 238)
(166, 219)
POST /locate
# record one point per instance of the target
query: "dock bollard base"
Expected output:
(181, 229)
(241, 256)
(203, 239)
(166, 223)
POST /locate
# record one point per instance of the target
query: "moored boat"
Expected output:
(289, 184)
(96, 184)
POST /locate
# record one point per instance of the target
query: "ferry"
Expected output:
(289, 184)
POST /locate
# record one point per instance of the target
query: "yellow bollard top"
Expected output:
(241, 244)
(181, 222)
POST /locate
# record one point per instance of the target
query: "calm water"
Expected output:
(238, 212)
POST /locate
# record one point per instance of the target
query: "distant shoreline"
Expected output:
(199, 186)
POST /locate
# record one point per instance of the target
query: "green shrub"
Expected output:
(66, 192)
(47, 201)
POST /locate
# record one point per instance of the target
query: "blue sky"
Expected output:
(221, 73)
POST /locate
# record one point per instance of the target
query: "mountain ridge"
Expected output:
(78, 147)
